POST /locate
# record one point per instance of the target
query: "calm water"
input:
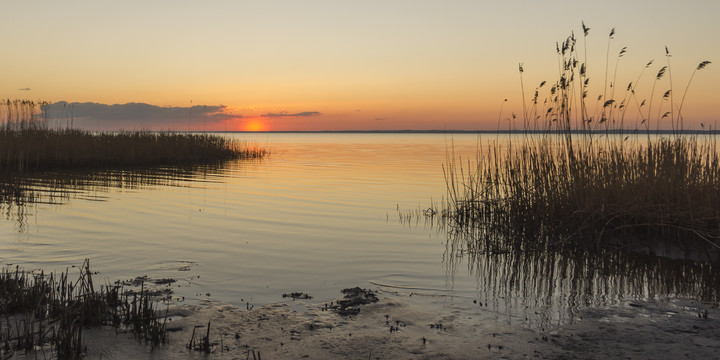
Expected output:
(320, 214)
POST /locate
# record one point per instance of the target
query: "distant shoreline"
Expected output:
(484, 132)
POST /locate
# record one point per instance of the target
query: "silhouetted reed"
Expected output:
(584, 180)
(27, 144)
(39, 149)
(606, 193)
(200, 343)
(52, 310)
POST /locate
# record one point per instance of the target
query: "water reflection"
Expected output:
(540, 287)
(20, 195)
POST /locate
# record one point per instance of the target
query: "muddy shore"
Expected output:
(401, 327)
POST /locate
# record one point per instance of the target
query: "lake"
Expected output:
(324, 211)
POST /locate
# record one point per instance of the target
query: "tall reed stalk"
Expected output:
(565, 187)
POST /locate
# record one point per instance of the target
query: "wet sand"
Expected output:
(400, 327)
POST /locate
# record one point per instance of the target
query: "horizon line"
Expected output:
(408, 131)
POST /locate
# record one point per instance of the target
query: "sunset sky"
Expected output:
(337, 65)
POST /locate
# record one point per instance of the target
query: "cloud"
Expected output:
(285, 114)
(135, 115)
(24, 89)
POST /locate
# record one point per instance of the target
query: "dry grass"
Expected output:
(577, 184)
(667, 189)
(27, 144)
(38, 311)
(39, 149)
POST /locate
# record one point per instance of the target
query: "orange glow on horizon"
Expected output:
(254, 125)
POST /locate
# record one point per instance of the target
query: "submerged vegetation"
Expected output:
(27, 144)
(585, 181)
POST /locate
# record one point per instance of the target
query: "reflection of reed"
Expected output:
(20, 194)
(540, 286)
(545, 286)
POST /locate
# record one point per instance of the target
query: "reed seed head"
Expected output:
(703, 64)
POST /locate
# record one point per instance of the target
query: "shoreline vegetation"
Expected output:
(51, 312)
(572, 181)
(576, 179)
(27, 144)
(50, 316)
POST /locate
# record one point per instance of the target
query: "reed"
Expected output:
(53, 310)
(536, 193)
(201, 343)
(27, 144)
(580, 181)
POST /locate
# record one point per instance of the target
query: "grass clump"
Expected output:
(39, 310)
(27, 144)
(39, 149)
(536, 195)
(585, 180)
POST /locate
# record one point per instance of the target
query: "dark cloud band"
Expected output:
(132, 115)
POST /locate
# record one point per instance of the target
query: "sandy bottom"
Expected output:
(399, 327)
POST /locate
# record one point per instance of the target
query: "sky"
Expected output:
(343, 65)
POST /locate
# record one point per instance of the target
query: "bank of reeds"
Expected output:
(38, 311)
(39, 149)
(588, 181)
(27, 144)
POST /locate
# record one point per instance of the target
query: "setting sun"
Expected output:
(254, 125)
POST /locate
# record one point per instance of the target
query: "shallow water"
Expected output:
(320, 214)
